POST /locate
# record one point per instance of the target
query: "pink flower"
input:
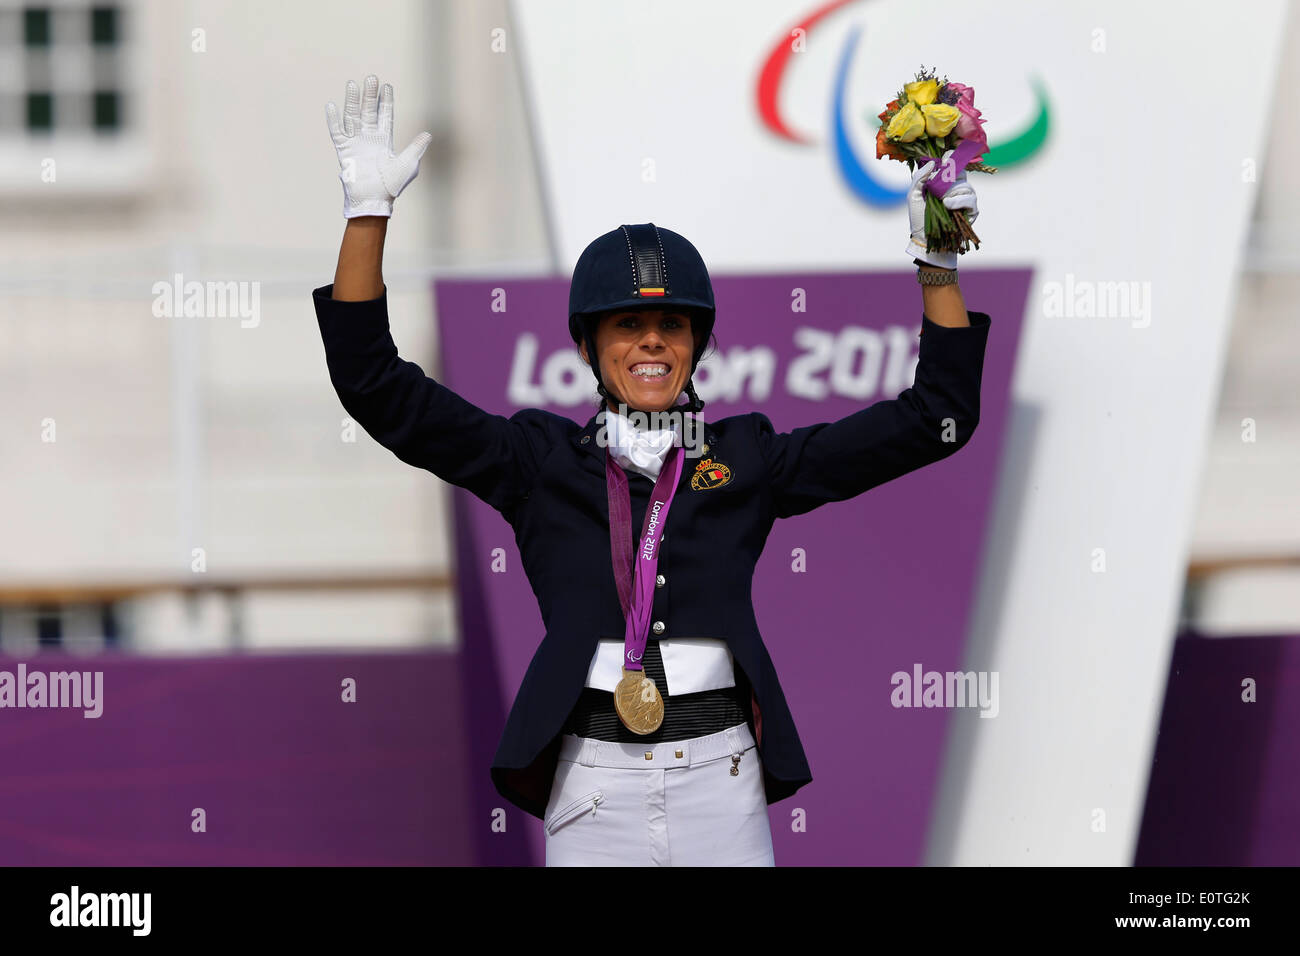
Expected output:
(965, 94)
(969, 125)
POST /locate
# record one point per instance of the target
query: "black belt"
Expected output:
(685, 716)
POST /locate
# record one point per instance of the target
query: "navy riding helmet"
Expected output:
(640, 266)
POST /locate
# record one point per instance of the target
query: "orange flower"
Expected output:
(883, 146)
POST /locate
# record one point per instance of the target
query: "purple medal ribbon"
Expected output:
(634, 578)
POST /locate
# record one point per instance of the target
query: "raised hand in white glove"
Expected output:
(372, 176)
(960, 195)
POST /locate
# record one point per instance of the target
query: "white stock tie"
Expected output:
(640, 449)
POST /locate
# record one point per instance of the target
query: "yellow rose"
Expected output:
(940, 119)
(907, 124)
(922, 92)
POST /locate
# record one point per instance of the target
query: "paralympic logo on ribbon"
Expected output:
(1010, 152)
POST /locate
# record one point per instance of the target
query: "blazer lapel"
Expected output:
(586, 439)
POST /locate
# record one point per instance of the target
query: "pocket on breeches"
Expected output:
(574, 810)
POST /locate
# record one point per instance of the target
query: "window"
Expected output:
(61, 68)
(75, 625)
(73, 113)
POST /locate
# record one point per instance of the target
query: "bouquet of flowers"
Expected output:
(936, 120)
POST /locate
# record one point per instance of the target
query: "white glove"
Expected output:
(961, 195)
(372, 176)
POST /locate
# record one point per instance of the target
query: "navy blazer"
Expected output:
(545, 474)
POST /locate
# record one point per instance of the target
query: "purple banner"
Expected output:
(879, 584)
(1225, 781)
(254, 760)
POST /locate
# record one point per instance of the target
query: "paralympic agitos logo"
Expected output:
(1002, 154)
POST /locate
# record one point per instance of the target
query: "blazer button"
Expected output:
(659, 580)
(658, 627)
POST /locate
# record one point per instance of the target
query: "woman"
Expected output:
(650, 727)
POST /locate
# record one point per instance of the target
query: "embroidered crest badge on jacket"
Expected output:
(710, 473)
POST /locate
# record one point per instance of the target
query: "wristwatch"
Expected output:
(935, 275)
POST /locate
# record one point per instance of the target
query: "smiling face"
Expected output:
(645, 356)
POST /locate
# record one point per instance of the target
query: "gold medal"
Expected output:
(637, 702)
